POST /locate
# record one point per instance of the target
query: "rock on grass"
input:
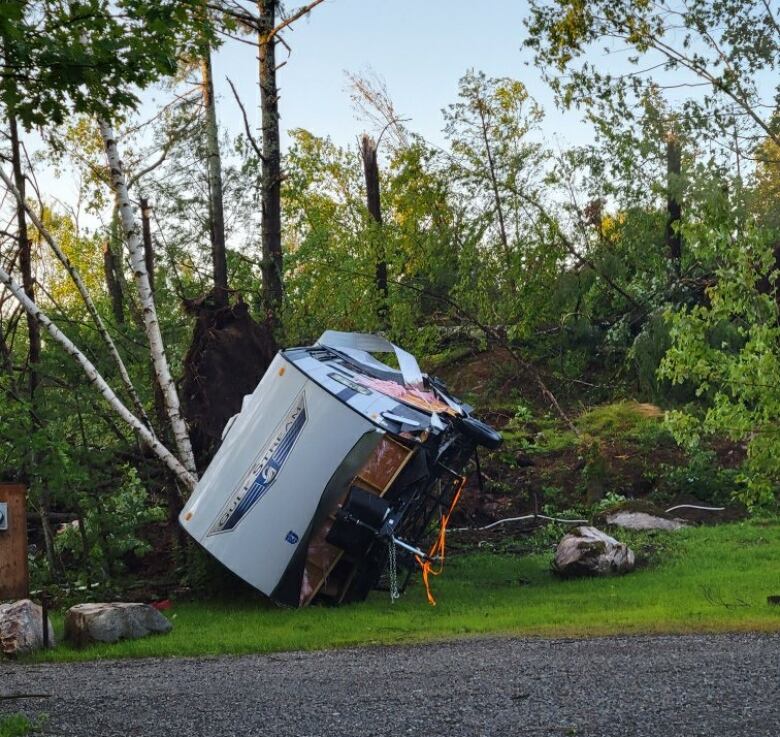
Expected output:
(87, 623)
(21, 628)
(587, 551)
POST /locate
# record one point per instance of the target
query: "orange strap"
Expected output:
(438, 546)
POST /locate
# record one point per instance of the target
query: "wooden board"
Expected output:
(384, 465)
(14, 580)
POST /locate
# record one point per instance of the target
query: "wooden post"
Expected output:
(14, 579)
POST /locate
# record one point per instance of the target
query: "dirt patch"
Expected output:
(729, 454)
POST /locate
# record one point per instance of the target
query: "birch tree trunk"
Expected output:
(148, 308)
(214, 173)
(82, 289)
(271, 202)
(187, 479)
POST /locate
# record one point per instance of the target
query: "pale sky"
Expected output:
(420, 48)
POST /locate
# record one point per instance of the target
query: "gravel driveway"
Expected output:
(645, 686)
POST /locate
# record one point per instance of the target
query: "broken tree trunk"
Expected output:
(146, 229)
(112, 283)
(273, 288)
(368, 152)
(214, 174)
(672, 236)
(149, 310)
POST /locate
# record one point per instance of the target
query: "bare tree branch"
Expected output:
(247, 128)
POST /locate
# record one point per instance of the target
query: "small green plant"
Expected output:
(611, 499)
(19, 725)
(523, 414)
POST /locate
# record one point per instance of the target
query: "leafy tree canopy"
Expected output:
(87, 56)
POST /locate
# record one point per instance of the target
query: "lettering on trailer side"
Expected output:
(264, 469)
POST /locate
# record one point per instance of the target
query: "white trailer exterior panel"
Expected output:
(255, 502)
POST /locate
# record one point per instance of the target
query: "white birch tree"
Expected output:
(132, 234)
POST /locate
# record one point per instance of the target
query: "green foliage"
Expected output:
(19, 725)
(87, 56)
(736, 371)
(622, 420)
(457, 235)
(112, 523)
(711, 44)
(702, 478)
(551, 439)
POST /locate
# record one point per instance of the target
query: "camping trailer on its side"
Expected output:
(333, 471)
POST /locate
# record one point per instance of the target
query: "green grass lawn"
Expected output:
(709, 579)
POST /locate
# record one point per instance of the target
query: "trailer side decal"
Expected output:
(264, 470)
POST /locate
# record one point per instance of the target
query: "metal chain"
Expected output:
(393, 569)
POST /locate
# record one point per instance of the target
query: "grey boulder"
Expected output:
(21, 628)
(87, 623)
(642, 521)
(587, 551)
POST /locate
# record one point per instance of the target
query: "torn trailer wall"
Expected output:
(335, 462)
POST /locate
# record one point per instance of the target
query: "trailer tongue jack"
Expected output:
(334, 470)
